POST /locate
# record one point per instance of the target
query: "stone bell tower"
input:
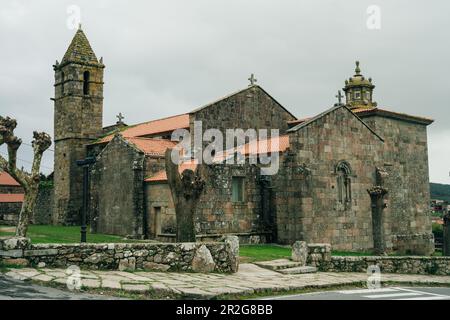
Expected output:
(359, 91)
(77, 121)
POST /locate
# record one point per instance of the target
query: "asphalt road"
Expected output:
(11, 289)
(391, 293)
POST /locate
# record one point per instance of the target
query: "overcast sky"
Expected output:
(169, 57)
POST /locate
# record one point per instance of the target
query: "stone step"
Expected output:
(278, 264)
(298, 270)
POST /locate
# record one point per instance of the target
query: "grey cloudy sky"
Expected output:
(169, 57)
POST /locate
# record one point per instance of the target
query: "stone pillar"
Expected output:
(300, 252)
(377, 195)
(446, 238)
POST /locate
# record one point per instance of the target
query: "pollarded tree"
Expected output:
(186, 190)
(29, 182)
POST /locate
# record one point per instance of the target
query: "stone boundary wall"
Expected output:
(417, 243)
(387, 264)
(221, 257)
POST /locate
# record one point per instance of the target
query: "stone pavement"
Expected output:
(250, 279)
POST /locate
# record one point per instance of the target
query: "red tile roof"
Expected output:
(277, 144)
(7, 180)
(11, 197)
(152, 127)
(151, 146)
(162, 176)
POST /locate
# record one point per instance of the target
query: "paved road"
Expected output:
(11, 289)
(391, 293)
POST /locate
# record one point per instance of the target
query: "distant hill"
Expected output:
(440, 191)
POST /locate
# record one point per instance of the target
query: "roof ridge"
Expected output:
(165, 118)
(324, 113)
(240, 91)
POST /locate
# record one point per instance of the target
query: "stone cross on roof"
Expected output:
(339, 96)
(252, 79)
(120, 117)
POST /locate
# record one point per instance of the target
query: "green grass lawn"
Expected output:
(59, 234)
(263, 252)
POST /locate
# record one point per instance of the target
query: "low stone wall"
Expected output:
(417, 244)
(9, 213)
(387, 264)
(222, 257)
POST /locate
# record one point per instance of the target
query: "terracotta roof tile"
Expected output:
(152, 127)
(7, 180)
(11, 197)
(162, 176)
(154, 147)
(278, 144)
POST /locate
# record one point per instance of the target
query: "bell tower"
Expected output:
(78, 112)
(359, 91)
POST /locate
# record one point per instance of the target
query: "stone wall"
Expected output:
(405, 155)
(9, 213)
(43, 212)
(117, 190)
(308, 207)
(220, 257)
(252, 108)
(216, 213)
(394, 264)
(418, 243)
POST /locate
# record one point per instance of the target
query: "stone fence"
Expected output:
(319, 256)
(222, 257)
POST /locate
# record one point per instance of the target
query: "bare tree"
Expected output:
(186, 190)
(29, 182)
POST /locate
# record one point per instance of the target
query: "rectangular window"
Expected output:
(237, 186)
(357, 95)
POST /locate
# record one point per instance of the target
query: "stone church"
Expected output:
(355, 175)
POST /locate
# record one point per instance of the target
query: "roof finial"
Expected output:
(79, 26)
(120, 117)
(357, 69)
(252, 80)
(339, 96)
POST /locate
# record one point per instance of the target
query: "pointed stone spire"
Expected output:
(80, 50)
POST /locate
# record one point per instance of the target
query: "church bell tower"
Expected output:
(78, 112)
(359, 91)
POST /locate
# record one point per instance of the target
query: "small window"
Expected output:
(344, 182)
(238, 189)
(86, 77)
(357, 95)
(368, 95)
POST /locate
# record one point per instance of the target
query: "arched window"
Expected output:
(63, 78)
(344, 182)
(86, 76)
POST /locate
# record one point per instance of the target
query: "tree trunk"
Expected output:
(30, 182)
(186, 190)
(185, 221)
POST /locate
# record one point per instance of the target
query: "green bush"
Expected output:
(438, 230)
